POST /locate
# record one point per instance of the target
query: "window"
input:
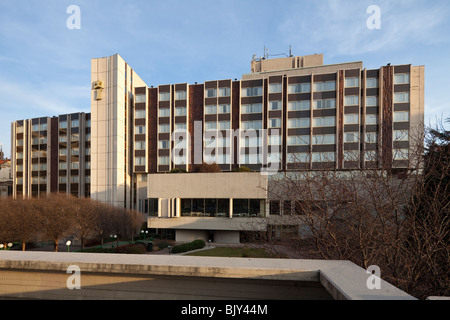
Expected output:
(74, 165)
(351, 82)
(87, 151)
(139, 130)
(274, 122)
(164, 96)
(372, 83)
(43, 126)
(401, 78)
(255, 124)
(211, 93)
(163, 160)
(139, 161)
(75, 151)
(401, 97)
(180, 95)
(75, 137)
(139, 114)
(224, 125)
(351, 155)
(62, 179)
(299, 123)
(324, 139)
(401, 135)
(211, 109)
(62, 166)
(62, 152)
(370, 155)
(180, 111)
(299, 88)
(224, 92)
(164, 128)
(301, 157)
(164, 144)
(324, 122)
(164, 112)
(74, 179)
(251, 92)
(372, 101)
(371, 137)
(139, 145)
(35, 127)
(274, 140)
(75, 123)
(401, 154)
(323, 157)
(351, 137)
(325, 104)
(139, 98)
(401, 116)
(371, 119)
(87, 165)
(298, 140)
(251, 108)
(299, 105)
(351, 100)
(224, 108)
(63, 125)
(180, 127)
(325, 86)
(275, 105)
(275, 87)
(210, 125)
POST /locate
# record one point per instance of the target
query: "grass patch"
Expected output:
(233, 252)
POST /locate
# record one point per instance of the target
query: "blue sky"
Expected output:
(45, 67)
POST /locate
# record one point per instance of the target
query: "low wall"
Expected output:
(44, 275)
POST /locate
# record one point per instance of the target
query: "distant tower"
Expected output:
(1, 152)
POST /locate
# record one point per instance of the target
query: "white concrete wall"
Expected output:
(224, 185)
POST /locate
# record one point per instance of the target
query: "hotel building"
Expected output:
(51, 154)
(292, 113)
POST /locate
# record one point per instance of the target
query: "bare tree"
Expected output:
(396, 218)
(57, 216)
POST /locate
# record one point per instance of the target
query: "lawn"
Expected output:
(232, 252)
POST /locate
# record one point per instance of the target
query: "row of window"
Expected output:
(402, 78)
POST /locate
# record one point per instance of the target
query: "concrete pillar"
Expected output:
(178, 207)
(231, 208)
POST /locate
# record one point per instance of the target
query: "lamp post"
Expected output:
(68, 243)
(209, 243)
(144, 233)
(169, 249)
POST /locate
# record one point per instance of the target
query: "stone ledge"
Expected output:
(342, 279)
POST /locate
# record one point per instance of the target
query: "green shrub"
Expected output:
(194, 245)
(162, 244)
(177, 170)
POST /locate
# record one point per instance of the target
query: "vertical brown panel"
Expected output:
(284, 139)
(340, 110)
(54, 154)
(386, 125)
(235, 110)
(196, 94)
(152, 130)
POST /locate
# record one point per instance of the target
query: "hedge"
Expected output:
(194, 245)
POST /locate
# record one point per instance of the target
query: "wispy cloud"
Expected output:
(340, 25)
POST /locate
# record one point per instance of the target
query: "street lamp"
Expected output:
(209, 243)
(144, 233)
(169, 249)
(68, 243)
